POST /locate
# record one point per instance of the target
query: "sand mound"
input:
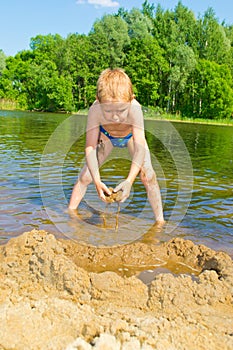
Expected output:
(58, 294)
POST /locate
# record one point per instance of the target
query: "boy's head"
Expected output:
(114, 85)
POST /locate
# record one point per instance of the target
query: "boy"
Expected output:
(115, 120)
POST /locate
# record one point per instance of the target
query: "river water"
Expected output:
(41, 155)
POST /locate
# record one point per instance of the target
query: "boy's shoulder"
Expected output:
(94, 113)
(96, 102)
(95, 106)
(135, 102)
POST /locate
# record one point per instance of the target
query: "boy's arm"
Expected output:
(92, 135)
(137, 121)
(138, 132)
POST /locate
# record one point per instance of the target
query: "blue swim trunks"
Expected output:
(117, 141)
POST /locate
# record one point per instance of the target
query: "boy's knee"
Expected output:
(148, 176)
(85, 179)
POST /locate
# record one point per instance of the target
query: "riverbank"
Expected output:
(59, 294)
(172, 118)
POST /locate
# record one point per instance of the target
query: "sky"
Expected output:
(21, 20)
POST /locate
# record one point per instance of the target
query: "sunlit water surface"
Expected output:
(41, 155)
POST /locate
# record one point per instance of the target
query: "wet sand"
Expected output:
(59, 294)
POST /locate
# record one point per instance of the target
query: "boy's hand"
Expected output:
(125, 187)
(102, 189)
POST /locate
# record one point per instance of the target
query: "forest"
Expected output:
(179, 64)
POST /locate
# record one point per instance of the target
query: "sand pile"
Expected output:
(58, 294)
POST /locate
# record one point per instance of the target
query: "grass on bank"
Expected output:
(8, 105)
(174, 118)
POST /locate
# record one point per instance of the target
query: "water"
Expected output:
(41, 155)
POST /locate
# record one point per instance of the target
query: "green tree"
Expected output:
(36, 86)
(170, 28)
(50, 47)
(11, 83)
(146, 65)
(212, 95)
(186, 26)
(83, 69)
(182, 64)
(229, 33)
(148, 10)
(47, 90)
(213, 44)
(139, 25)
(110, 36)
(2, 61)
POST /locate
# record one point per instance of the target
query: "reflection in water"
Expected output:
(23, 202)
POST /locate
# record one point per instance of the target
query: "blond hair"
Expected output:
(114, 85)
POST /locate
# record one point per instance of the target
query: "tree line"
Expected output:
(178, 63)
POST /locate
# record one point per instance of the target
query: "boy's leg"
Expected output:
(85, 178)
(80, 188)
(148, 178)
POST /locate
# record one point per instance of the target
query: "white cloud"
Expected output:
(103, 3)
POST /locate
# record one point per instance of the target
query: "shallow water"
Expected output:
(42, 155)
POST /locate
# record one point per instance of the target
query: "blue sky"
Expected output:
(20, 20)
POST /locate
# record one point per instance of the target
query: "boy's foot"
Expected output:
(159, 223)
(73, 213)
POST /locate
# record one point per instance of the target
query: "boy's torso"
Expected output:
(116, 118)
(117, 129)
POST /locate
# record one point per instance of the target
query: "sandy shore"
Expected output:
(58, 294)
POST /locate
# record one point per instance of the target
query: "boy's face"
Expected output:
(116, 112)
